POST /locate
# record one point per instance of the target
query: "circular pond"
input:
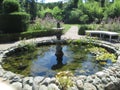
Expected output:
(48, 60)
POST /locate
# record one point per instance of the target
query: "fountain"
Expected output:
(59, 53)
(59, 31)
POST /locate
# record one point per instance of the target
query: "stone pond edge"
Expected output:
(107, 79)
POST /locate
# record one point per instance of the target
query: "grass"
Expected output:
(66, 27)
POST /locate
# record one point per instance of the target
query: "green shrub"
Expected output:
(10, 6)
(26, 35)
(14, 22)
(83, 28)
(4, 38)
(38, 34)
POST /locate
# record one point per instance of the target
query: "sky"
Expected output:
(50, 1)
(46, 1)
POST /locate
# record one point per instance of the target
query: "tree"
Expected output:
(57, 13)
(42, 13)
(31, 8)
(1, 5)
(102, 3)
(113, 10)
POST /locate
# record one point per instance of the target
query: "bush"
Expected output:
(10, 6)
(28, 35)
(82, 29)
(14, 22)
(4, 38)
(85, 27)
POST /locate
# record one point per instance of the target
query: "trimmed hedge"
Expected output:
(14, 22)
(10, 6)
(83, 28)
(4, 38)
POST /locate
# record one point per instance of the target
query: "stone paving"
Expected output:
(108, 79)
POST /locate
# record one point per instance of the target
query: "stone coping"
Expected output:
(107, 79)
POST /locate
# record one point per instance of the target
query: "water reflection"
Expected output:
(59, 57)
(49, 60)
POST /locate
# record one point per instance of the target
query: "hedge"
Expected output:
(83, 28)
(10, 6)
(4, 38)
(14, 23)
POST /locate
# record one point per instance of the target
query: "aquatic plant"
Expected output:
(102, 54)
(65, 79)
(97, 50)
(106, 56)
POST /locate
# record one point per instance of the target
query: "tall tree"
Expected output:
(57, 13)
(31, 8)
(102, 3)
(1, 5)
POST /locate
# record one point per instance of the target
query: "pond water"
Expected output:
(48, 60)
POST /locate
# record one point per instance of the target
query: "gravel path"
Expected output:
(72, 33)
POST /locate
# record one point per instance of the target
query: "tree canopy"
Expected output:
(73, 11)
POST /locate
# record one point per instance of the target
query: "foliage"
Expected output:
(84, 18)
(113, 10)
(43, 24)
(74, 11)
(1, 6)
(65, 79)
(33, 9)
(110, 25)
(29, 34)
(20, 59)
(83, 28)
(94, 11)
(102, 54)
(14, 22)
(29, 6)
(42, 13)
(74, 16)
(33, 34)
(10, 6)
(97, 51)
(5, 38)
(57, 13)
(106, 56)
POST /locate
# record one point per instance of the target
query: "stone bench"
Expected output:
(105, 35)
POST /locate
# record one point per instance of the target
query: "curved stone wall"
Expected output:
(107, 79)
